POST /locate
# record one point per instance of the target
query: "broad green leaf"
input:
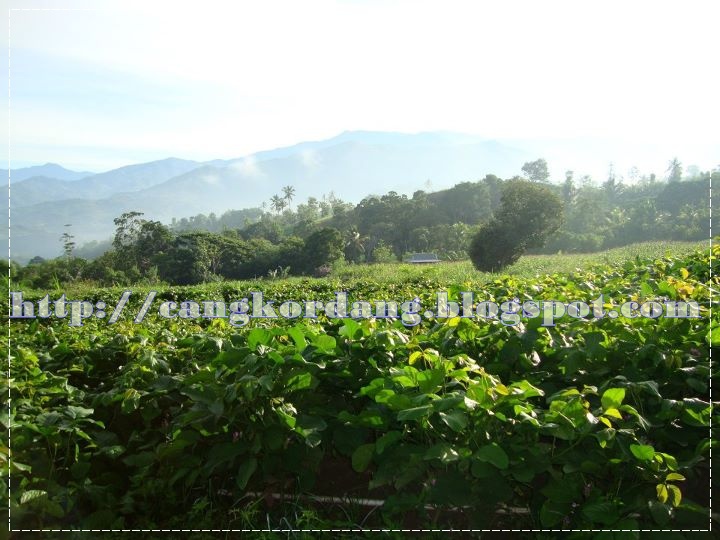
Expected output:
(350, 329)
(552, 513)
(603, 512)
(713, 336)
(325, 343)
(612, 398)
(456, 420)
(288, 419)
(386, 440)
(258, 336)
(311, 428)
(675, 495)
(660, 512)
(643, 452)
(362, 457)
(494, 454)
(77, 412)
(32, 495)
(300, 381)
(298, 337)
(245, 472)
(53, 508)
(414, 413)
(442, 451)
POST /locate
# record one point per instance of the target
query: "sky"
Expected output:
(128, 81)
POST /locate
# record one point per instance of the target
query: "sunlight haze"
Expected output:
(126, 82)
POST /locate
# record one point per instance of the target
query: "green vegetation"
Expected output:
(383, 229)
(597, 214)
(193, 423)
(182, 423)
(529, 212)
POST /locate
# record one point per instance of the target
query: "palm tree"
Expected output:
(289, 193)
(613, 188)
(674, 170)
(354, 245)
(277, 203)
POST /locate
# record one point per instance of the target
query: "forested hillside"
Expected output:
(286, 237)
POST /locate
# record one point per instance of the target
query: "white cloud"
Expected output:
(247, 166)
(309, 158)
(211, 179)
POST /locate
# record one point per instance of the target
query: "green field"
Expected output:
(527, 266)
(345, 276)
(453, 423)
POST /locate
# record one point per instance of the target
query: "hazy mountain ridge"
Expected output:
(40, 189)
(353, 165)
(49, 170)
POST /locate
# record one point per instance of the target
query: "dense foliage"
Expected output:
(598, 214)
(191, 424)
(384, 228)
(529, 212)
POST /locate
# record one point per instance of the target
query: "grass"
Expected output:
(528, 266)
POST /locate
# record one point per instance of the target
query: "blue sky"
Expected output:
(131, 81)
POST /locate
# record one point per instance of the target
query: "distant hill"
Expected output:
(39, 189)
(352, 165)
(351, 169)
(49, 170)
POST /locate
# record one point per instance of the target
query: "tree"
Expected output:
(127, 228)
(674, 170)
(494, 247)
(633, 174)
(568, 188)
(198, 257)
(309, 211)
(529, 213)
(139, 242)
(322, 248)
(468, 202)
(383, 254)
(612, 188)
(288, 194)
(278, 203)
(68, 241)
(354, 245)
(266, 228)
(153, 239)
(537, 170)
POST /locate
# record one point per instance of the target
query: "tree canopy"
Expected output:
(529, 213)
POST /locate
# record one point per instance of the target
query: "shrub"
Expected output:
(529, 213)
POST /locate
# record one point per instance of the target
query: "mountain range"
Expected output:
(49, 170)
(352, 165)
